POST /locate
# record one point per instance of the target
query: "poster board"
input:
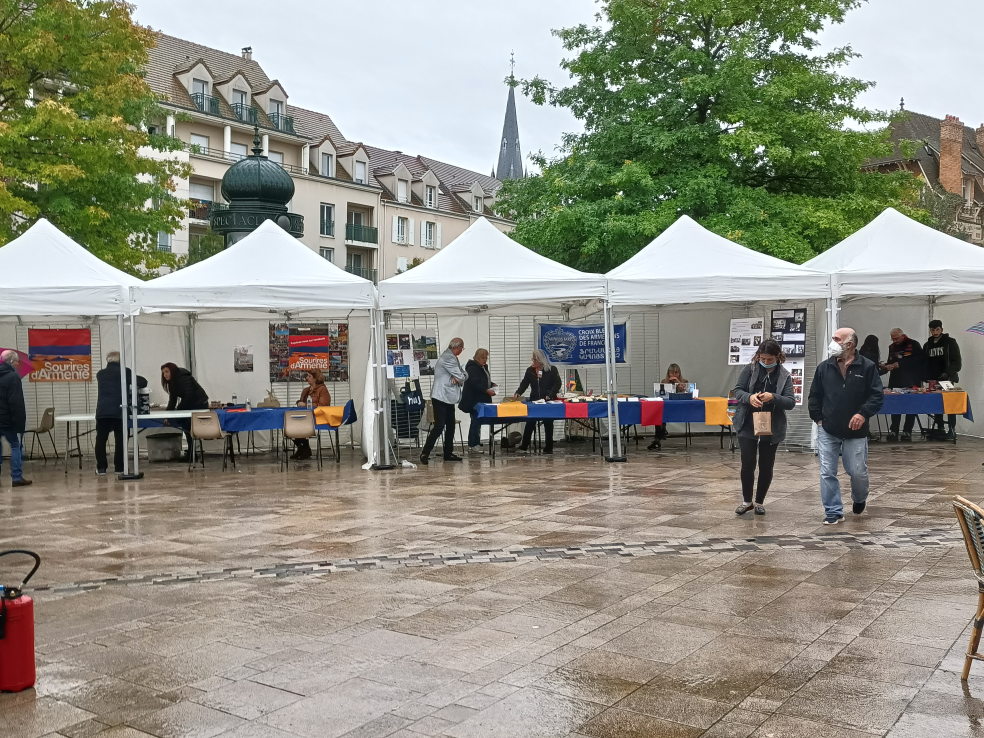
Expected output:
(425, 352)
(580, 344)
(788, 327)
(744, 339)
(297, 347)
(400, 363)
(60, 354)
(242, 358)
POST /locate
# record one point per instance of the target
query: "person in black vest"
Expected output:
(907, 366)
(543, 381)
(478, 388)
(184, 393)
(109, 412)
(943, 364)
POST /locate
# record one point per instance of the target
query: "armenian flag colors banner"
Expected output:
(60, 355)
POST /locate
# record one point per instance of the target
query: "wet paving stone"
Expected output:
(527, 598)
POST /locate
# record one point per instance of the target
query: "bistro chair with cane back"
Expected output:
(45, 427)
(205, 427)
(299, 424)
(971, 519)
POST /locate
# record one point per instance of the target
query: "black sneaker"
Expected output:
(744, 508)
(833, 519)
(906, 437)
(424, 459)
(760, 510)
(859, 507)
(892, 438)
(453, 457)
(548, 450)
(101, 472)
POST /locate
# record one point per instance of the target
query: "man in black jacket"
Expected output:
(846, 392)
(478, 388)
(109, 411)
(942, 364)
(13, 415)
(907, 365)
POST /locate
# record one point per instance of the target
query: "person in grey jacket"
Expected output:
(449, 378)
(763, 386)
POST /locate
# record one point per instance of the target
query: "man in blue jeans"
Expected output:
(13, 414)
(846, 392)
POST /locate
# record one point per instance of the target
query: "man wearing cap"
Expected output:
(942, 365)
(13, 414)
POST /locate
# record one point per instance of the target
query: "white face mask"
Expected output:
(835, 348)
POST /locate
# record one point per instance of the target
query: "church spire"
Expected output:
(510, 156)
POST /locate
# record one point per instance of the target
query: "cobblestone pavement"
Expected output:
(519, 598)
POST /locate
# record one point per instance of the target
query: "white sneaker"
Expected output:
(476, 450)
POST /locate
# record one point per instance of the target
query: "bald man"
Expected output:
(846, 392)
(13, 414)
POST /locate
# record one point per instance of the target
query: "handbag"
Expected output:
(762, 422)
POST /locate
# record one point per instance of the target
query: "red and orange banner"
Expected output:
(60, 355)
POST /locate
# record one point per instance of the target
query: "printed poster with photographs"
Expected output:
(242, 358)
(789, 330)
(400, 363)
(746, 337)
(425, 351)
(297, 347)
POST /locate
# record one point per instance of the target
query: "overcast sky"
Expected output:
(426, 76)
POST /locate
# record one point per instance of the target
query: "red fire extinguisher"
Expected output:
(17, 671)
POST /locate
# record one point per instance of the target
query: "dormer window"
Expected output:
(326, 165)
(430, 196)
(199, 87)
(403, 190)
(239, 98)
(276, 108)
(477, 204)
(360, 172)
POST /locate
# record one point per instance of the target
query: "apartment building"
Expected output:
(366, 209)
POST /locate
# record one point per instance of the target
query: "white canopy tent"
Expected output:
(896, 272)
(45, 273)
(709, 280)
(689, 264)
(484, 271)
(268, 272)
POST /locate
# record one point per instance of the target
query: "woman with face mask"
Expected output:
(763, 386)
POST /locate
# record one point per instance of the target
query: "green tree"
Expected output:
(74, 108)
(724, 110)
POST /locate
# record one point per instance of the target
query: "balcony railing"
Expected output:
(206, 103)
(283, 122)
(369, 274)
(199, 209)
(361, 233)
(245, 113)
(214, 153)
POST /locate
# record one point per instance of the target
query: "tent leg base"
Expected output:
(130, 477)
(615, 459)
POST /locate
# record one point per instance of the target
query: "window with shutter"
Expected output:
(438, 235)
(432, 197)
(327, 219)
(396, 229)
(360, 172)
(401, 264)
(401, 190)
(326, 165)
(410, 231)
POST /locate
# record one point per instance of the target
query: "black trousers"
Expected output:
(105, 426)
(547, 434)
(910, 420)
(762, 448)
(950, 419)
(443, 423)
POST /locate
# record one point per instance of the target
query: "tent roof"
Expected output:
(689, 264)
(484, 268)
(267, 270)
(895, 255)
(44, 272)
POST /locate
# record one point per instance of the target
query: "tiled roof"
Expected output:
(316, 126)
(172, 54)
(924, 132)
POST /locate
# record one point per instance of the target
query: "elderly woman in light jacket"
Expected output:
(445, 394)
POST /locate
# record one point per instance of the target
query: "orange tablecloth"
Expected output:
(716, 411)
(330, 415)
(954, 403)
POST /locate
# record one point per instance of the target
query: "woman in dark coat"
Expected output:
(543, 381)
(184, 393)
(478, 388)
(869, 350)
(763, 386)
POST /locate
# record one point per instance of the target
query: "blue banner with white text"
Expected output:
(578, 344)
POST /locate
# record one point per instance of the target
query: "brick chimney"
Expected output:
(951, 154)
(980, 139)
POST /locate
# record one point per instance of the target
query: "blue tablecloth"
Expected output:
(918, 404)
(629, 413)
(271, 418)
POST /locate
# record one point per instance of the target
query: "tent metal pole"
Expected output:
(608, 382)
(383, 399)
(611, 359)
(133, 399)
(932, 307)
(126, 465)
